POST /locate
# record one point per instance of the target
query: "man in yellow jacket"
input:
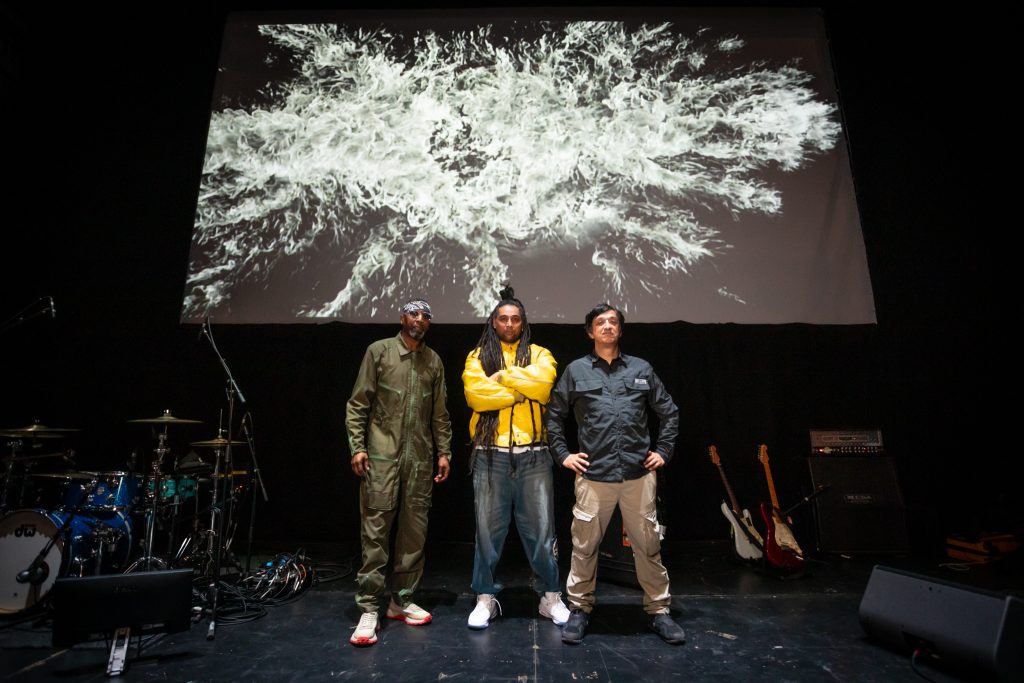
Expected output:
(508, 381)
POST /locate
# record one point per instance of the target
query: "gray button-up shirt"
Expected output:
(609, 402)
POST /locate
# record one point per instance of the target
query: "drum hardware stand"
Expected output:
(17, 446)
(216, 541)
(158, 480)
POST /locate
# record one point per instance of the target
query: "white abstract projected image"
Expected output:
(683, 169)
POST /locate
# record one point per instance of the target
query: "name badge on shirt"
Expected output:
(640, 382)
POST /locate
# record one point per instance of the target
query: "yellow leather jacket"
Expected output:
(522, 419)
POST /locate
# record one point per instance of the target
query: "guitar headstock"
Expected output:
(762, 454)
(713, 452)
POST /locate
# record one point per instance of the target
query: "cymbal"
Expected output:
(233, 473)
(38, 431)
(194, 467)
(215, 443)
(64, 475)
(38, 456)
(166, 418)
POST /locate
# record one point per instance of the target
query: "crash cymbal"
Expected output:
(218, 442)
(166, 418)
(38, 431)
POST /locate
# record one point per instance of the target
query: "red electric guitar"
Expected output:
(781, 551)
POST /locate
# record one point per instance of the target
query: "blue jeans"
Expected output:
(498, 491)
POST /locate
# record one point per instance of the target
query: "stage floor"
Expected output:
(741, 624)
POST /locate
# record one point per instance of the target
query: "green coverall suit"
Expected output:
(398, 415)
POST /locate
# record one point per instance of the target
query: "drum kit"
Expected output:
(177, 512)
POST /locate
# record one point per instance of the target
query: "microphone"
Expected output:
(202, 328)
(35, 574)
(53, 309)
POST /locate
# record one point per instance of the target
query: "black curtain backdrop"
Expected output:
(104, 124)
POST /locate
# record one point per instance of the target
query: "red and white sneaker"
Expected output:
(366, 632)
(412, 614)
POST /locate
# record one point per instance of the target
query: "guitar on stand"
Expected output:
(748, 543)
(781, 551)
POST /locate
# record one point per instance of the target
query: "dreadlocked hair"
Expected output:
(492, 360)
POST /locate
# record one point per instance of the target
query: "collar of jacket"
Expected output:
(510, 348)
(595, 359)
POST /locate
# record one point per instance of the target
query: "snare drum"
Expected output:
(106, 491)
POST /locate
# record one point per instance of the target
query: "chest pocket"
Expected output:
(592, 387)
(635, 392)
(388, 405)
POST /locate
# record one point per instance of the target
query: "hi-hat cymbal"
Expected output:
(166, 418)
(218, 442)
(38, 431)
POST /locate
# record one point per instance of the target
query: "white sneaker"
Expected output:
(487, 608)
(551, 606)
(366, 631)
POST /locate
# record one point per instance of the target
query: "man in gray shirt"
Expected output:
(609, 394)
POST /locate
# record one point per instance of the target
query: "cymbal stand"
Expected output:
(8, 474)
(158, 480)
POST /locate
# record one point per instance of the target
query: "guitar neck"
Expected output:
(735, 506)
(763, 457)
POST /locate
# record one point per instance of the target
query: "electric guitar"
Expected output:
(748, 542)
(781, 550)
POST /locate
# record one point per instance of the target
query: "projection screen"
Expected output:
(683, 164)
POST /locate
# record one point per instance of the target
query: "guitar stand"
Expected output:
(767, 570)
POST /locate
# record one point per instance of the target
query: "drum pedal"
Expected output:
(118, 652)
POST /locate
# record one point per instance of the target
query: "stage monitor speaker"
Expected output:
(862, 510)
(975, 631)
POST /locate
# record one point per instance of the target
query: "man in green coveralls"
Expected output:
(396, 418)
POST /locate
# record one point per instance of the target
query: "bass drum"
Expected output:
(89, 545)
(23, 535)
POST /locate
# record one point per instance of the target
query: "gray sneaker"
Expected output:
(576, 627)
(668, 629)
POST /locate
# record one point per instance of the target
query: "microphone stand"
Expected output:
(808, 498)
(258, 479)
(219, 496)
(24, 316)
